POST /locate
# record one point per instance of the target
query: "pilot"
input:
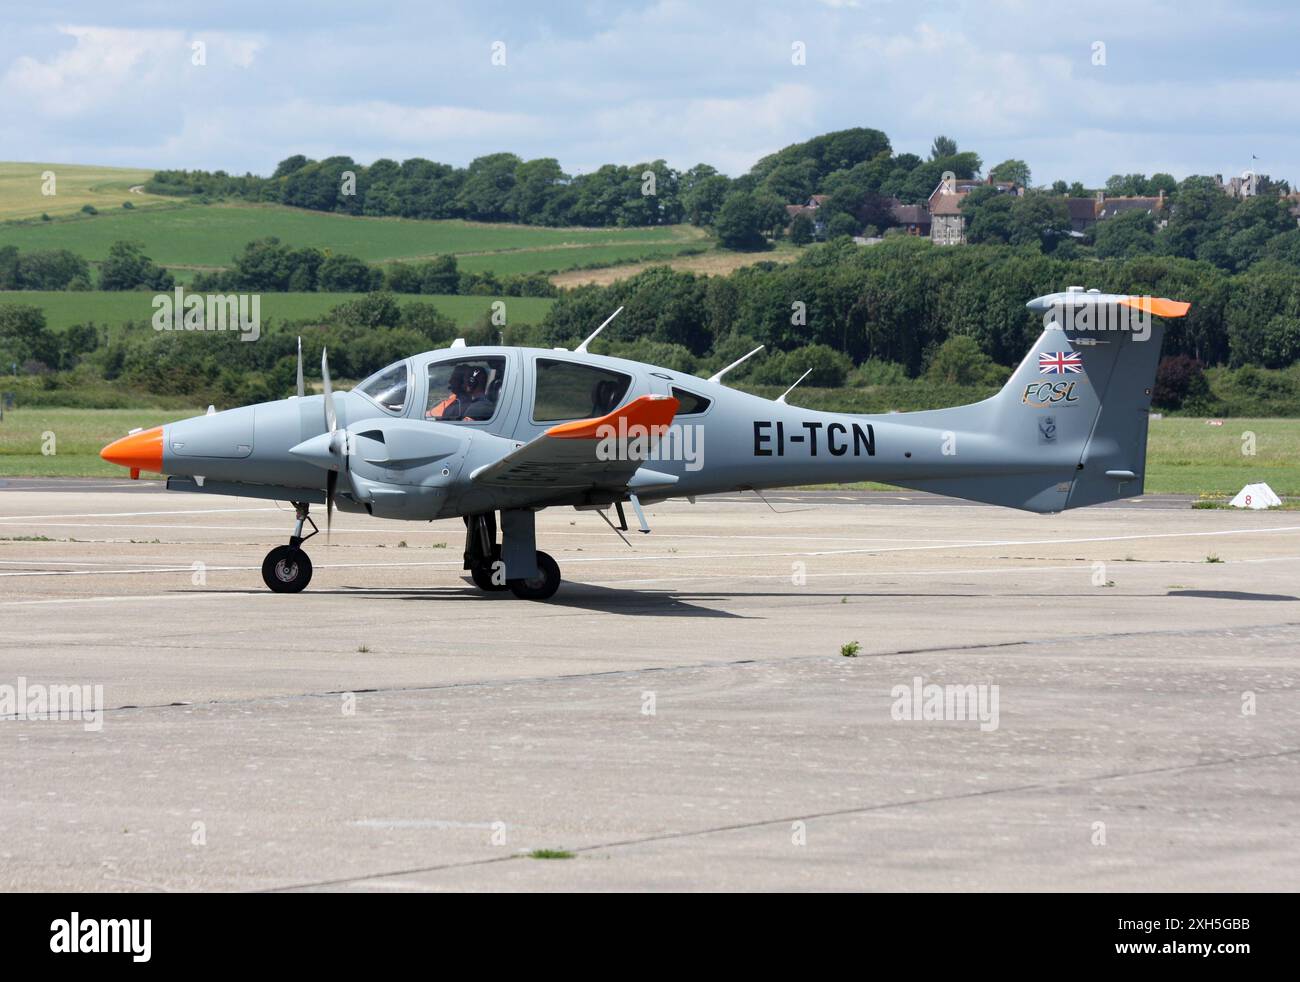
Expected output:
(468, 398)
(476, 403)
(449, 407)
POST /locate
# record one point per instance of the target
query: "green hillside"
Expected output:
(65, 308)
(189, 235)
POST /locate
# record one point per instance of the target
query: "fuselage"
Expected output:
(720, 440)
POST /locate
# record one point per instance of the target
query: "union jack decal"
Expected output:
(1060, 363)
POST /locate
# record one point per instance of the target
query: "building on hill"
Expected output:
(1238, 187)
(1156, 206)
(810, 208)
(912, 219)
(1083, 214)
(947, 223)
(1293, 199)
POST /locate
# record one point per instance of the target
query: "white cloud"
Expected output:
(1191, 87)
(116, 67)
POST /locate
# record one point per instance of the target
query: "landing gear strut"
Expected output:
(483, 553)
(287, 569)
(488, 563)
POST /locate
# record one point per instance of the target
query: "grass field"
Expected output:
(79, 435)
(560, 259)
(1185, 455)
(189, 235)
(714, 262)
(1189, 456)
(75, 185)
(63, 308)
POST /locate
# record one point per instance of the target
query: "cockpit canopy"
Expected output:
(388, 387)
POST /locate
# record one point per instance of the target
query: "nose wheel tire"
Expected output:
(482, 573)
(286, 569)
(544, 585)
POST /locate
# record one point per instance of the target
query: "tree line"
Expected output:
(263, 266)
(505, 187)
(918, 320)
(897, 302)
(855, 172)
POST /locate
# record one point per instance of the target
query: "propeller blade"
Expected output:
(301, 390)
(331, 420)
(331, 485)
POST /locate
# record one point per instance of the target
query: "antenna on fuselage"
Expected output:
(781, 397)
(300, 386)
(717, 376)
(582, 348)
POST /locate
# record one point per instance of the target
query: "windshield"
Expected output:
(387, 387)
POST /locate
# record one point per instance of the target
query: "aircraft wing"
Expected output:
(601, 453)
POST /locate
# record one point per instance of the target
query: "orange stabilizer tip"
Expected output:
(647, 411)
(141, 451)
(1158, 306)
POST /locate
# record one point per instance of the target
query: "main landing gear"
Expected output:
(488, 562)
(287, 569)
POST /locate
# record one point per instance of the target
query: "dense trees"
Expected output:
(945, 317)
(24, 338)
(738, 224)
(942, 146)
(499, 187)
(1015, 171)
(128, 268)
(42, 269)
(1129, 234)
(801, 229)
(504, 187)
(900, 300)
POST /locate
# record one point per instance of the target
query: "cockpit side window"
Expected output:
(570, 390)
(465, 390)
(691, 404)
(388, 387)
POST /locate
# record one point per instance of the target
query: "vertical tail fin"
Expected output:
(1069, 428)
(1118, 341)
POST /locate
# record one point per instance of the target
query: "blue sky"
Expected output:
(1186, 87)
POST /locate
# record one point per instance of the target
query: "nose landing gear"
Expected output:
(287, 569)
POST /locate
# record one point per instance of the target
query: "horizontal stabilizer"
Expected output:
(1074, 299)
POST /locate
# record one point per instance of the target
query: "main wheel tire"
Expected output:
(543, 587)
(481, 574)
(286, 569)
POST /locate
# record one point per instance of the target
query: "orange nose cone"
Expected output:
(139, 451)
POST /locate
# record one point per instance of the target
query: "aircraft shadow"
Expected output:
(572, 595)
(1229, 595)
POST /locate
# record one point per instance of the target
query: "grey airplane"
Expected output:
(481, 432)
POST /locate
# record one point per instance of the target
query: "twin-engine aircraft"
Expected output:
(477, 432)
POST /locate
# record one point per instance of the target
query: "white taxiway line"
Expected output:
(980, 571)
(137, 514)
(713, 557)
